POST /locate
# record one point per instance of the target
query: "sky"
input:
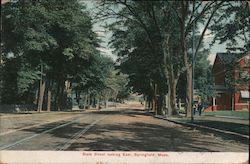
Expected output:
(105, 36)
(215, 48)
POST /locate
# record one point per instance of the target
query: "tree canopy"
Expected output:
(50, 49)
(156, 38)
(48, 45)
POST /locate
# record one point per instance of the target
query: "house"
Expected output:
(231, 75)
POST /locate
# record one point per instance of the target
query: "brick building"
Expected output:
(231, 68)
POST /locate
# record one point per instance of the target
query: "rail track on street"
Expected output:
(77, 135)
(59, 125)
(33, 126)
(119, 129)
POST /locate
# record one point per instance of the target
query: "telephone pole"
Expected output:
(193, 62)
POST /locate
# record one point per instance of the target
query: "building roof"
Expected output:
(229, 58)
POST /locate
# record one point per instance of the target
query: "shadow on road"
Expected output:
(139, 136)
(143, 137)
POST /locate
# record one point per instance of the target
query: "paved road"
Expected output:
(109, 129)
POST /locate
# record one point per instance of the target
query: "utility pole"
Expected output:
(193, 49)
(1, 58)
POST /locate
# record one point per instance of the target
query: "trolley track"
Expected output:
(44, 135)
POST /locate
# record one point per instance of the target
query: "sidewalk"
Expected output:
(236, 128)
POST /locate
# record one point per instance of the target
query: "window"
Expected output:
(244, 96)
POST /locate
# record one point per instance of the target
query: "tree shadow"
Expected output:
(144, 137)
(135, 136)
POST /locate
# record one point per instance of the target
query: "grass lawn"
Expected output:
(241, 114)
(222, 125)
(229, 126)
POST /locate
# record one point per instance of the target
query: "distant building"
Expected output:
(235, 97)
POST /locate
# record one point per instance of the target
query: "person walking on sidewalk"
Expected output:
(200, 106)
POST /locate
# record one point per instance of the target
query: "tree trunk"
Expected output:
(189, 91)
(60, 95)
(78, 93)
(172, 76)
(36, 101)
(149, 100)
(86, 101)
(153, 104)
(94, 102)
(41, 95)
(49, 96)
(57, 85)
(106, 103)
(59, 98)
(172, 97)
(89, 101)
(154, 99)
(172, 80)
(160, 104)
(97, 101)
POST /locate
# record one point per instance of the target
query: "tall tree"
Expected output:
(189, 15)
(53, 41)
(151, 21)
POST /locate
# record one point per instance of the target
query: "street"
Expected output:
(122, 129)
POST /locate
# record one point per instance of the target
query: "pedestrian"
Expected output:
(200, 106)
(194, 109)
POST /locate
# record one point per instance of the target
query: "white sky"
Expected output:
(214, 48)
(101, 33)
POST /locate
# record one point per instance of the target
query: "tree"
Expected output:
(188, 14)
(236, 27)
(203, 75)
(52, 41)
(203, 82)
(150, 19)
(9, 91)
(138, 60)
(92, 81)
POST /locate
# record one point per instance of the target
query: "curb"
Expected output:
(242, 136)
